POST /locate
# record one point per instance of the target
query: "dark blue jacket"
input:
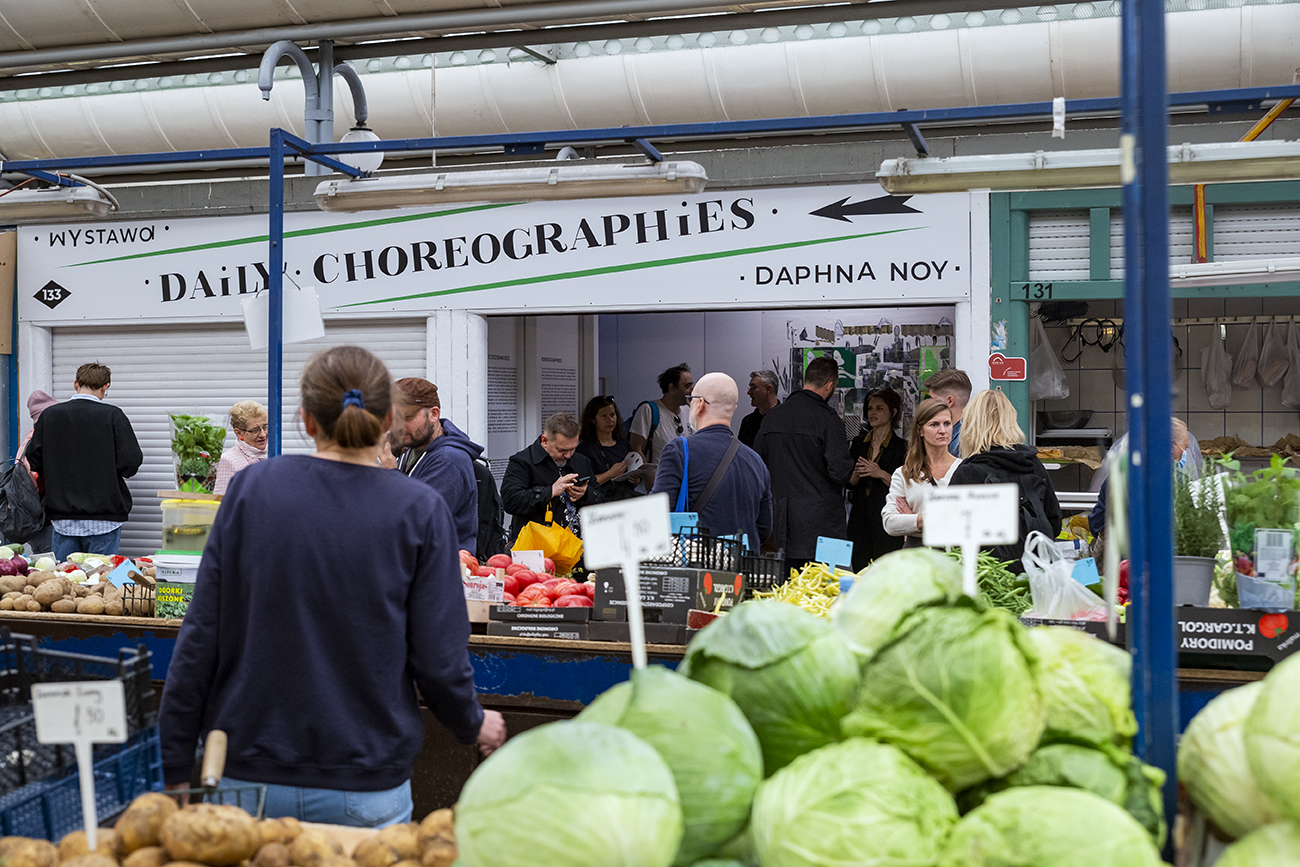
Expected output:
(327, 593)
(447, 466)
(741, 504)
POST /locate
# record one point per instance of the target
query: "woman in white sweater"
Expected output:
(928, 464)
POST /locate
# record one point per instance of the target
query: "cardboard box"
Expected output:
(667, 592)
(512, 614)
(557, 631)
(172, 599)
(1215, 631)
(1095, 628)
(655, 633)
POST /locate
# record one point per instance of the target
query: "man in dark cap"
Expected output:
(428, 447)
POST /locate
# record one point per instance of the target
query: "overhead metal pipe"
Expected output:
(360, 108)
(365, 28)
(312, 114)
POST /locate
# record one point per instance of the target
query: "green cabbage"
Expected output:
(957, 692)
(1273, 738)
(1085, 686)
(1112, 773)
(1275, 845)
(1212, 764)
(887, 590)
(705, 739)
(789, 672)
(509, 811)
(858, 802)
(1043, 826)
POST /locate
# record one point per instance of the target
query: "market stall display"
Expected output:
(77, 586)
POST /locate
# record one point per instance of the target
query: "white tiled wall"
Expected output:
(1256, 414)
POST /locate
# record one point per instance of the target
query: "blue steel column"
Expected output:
(275, 288)
(1147, 297)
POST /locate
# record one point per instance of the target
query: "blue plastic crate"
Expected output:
(51, 808)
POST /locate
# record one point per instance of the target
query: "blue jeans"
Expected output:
(104, 543)
(336, 806)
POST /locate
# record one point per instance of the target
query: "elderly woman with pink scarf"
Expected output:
(248, 418)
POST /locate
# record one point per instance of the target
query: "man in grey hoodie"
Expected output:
(428, 447)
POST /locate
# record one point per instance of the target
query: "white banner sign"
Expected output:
(793, 246)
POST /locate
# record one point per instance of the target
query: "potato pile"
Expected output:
(155, 832)
(52, 591)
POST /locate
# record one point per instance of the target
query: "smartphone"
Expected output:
(582, 480)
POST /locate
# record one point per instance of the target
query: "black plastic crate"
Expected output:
(23, 760)
(762, 571)
(696, 548)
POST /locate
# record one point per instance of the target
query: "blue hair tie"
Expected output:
(353, 398)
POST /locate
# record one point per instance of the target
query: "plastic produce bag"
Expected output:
(1056, 595)
(1291, 380)
(1243, 372)
(1046, 378)
(1216, 372)
(1272, 358)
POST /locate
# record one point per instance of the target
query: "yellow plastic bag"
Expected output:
(554, 540)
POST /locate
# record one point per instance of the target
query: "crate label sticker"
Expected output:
(1273, 555)
(86, 711)
(481, 589)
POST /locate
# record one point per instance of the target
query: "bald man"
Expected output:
(728, 483)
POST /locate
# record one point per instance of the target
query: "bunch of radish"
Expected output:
(526, 588)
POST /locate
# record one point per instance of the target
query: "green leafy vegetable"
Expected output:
(1275, 845)
(1085, 686)
(707, 743)
(1266, 498)
(1046, 826)
(1272, 734)
(857, 802)
(957, 691)
(788, 671)
(887, 590)
(999, 586)
(1213, 767)
(631, 817)
(196, 437)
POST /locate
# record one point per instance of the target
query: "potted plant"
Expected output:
(1198, 538)
(197, 442)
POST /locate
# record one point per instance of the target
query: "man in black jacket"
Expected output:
(85, 450)
(803, 444)
(549, 473)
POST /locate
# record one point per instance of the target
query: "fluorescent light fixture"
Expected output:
(543, 183)
(55, 203)
(1188, 164)
(1235, 273)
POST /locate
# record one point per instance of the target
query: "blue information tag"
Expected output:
(834, 552)
(1085, 571)
(677, 521)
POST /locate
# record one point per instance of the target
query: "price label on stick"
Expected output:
(623, 534)
(81, 713)
(971, 516)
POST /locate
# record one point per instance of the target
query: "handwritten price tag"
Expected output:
(613, 533)
(972, 514)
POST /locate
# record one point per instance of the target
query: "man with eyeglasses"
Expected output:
(656, 423)
(762, 396)
(86, 450)
(249, 421)
(549, 472)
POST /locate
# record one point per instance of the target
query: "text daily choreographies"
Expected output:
(485, 248)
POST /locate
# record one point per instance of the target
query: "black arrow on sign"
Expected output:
(879, 205)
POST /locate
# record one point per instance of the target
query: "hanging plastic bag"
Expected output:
(1216, 371)
(1272, 358)
(1046, 378)
(1291, 379)
(1056, 595)
(1243, 372)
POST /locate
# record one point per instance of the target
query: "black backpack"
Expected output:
(21, 513)
(1032, 517)
(491, 513)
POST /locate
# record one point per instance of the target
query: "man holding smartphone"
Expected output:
(549, 472)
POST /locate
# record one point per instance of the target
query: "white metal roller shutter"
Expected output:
(1256, 231)
(205, 369)
(1058, 243)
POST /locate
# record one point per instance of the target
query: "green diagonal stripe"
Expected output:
(634, 266)
(301, 233)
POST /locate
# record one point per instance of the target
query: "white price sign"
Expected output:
(972, 514)
(81, 713)
(637, 529)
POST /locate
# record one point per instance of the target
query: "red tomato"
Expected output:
(589, 589)
(515, 567)
(525, 578)
(555, 582)
(533, 602)
(508, 598)
(469, 559)
(499, 561)
(569, 588)
(486, 572)
(573, 600)
(533, 591)
(550, 565)
(512, 585)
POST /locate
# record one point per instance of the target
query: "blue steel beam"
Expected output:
(302, 146)
(684, 131)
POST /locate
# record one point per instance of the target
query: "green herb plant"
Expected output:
(1197, 531)
(197, 444)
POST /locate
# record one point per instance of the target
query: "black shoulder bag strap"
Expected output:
(721, 471)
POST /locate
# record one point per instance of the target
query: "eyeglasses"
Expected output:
(255, 431)
(697, 397)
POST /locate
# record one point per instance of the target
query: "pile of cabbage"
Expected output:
(918, 728)
(1239, 761)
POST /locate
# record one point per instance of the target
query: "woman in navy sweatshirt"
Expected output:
(329, 592)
